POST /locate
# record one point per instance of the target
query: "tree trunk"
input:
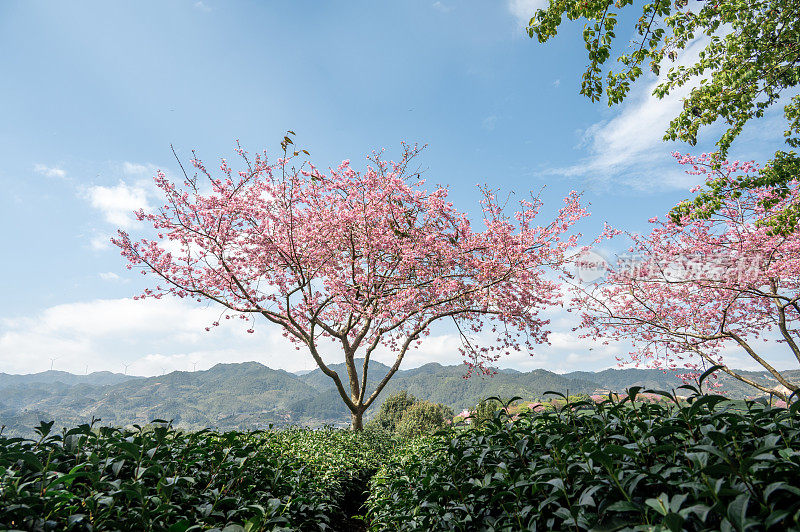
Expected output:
(356, 422)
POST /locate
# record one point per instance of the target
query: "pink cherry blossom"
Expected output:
(365, 259)
(701, 288)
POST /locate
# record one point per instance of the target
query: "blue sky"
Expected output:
(94, 93)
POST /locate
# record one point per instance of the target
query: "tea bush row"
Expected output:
(614, 465)
(157, 478)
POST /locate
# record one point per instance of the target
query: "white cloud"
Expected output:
(100, 242)
(441, 348)
(199, 360)
(629, 148)
(111, 276)
(49, 171)
(444, 8)
(523, 10)
(118, 202)
(136, 169)
(202, 6)
(153, 334)
(106, 333)
(632, 137)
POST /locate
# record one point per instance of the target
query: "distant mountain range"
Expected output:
(98, 378)
(251, 395)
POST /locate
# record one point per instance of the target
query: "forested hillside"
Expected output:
(250, 395)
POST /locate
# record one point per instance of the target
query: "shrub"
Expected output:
(392, 410)
(403, 415)
(616, 465)
(423, 418)
(487, 410)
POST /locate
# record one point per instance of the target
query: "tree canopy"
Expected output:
(365, 260)
(693, 293)
(750, 61)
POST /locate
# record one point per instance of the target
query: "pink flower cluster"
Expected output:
(703, 287)
(367, 259)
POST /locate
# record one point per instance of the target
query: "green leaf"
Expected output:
(623, 506)
(32, 461)
(252, 524)
(44, 428)
(633, 391)
(180, 526)
(780, 486)
(66, 479)
(674, 522)
(586, 498)
(708, 372)
(660, 504)
(737, 510)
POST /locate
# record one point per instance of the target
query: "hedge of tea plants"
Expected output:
(619, 464)
(157, 478)
(616, 465)
(341, 462)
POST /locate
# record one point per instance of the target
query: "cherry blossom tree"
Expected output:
(693, 290)
(367, 260)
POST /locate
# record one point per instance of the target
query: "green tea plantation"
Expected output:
(618, 464)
